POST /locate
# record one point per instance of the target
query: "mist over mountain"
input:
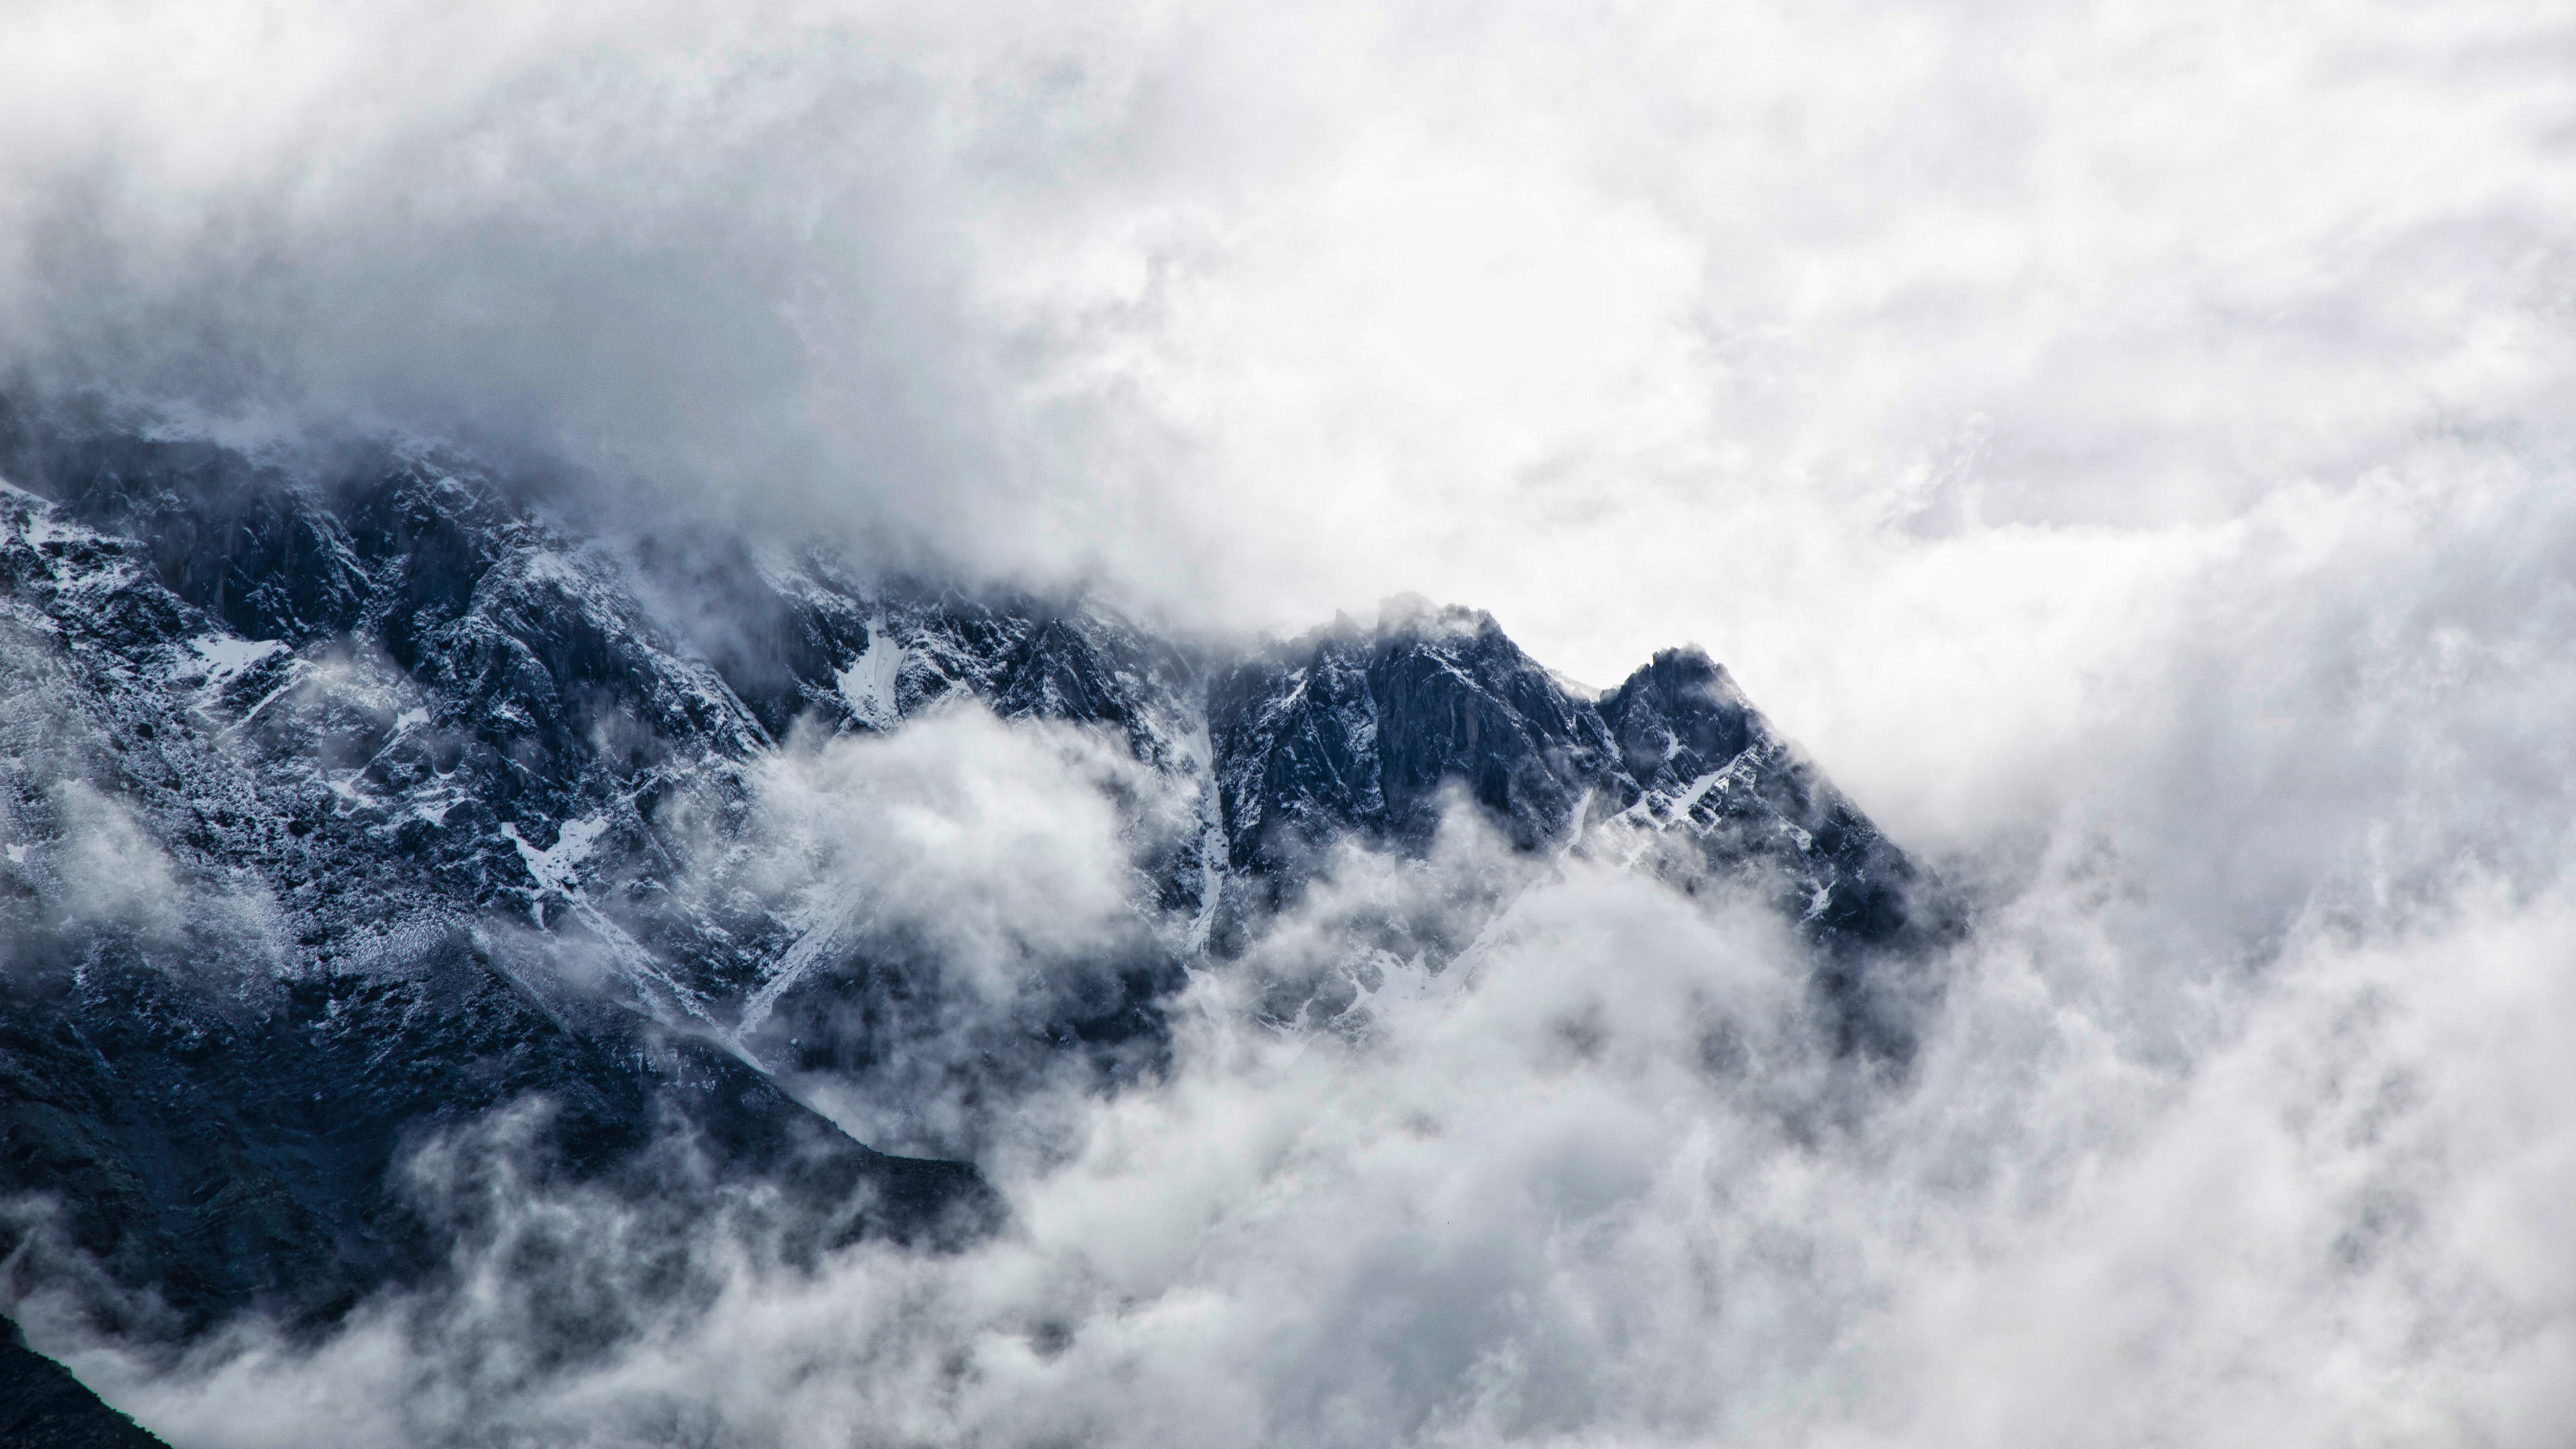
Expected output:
(830, 723)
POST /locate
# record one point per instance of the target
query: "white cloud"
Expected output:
(1598, 1186)
(1626, 323)
(1000, 848)
(971, 882)
(109, 870)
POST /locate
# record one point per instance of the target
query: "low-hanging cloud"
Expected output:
(1598, 1181)
(952, 889)
(996, 846)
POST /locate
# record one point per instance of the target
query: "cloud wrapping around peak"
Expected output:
(2124, 445)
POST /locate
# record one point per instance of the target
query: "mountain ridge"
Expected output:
(366, 787)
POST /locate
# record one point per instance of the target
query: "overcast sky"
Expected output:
(2127, 444)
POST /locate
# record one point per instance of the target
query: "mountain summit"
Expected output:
(357, 815)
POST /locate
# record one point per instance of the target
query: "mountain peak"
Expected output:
(492, 785)
(1410, 615)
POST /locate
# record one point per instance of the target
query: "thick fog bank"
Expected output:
(1595, 1184)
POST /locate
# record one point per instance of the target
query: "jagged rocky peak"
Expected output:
(1353, 729)
(1678, 719)
(802, 637)
(330, 803)
(1364, 732)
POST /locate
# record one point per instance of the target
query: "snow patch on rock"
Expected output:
(225, 657)
(869, 683)
(558, 866)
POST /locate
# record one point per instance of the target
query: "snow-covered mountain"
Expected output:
(349, 801)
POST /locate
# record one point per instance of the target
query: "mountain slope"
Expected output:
(43, 1407)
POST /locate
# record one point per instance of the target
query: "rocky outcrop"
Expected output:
(1364, 732)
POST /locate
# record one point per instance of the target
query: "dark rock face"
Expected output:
(339, 947)
(1676, 720)
(1349, 731)
(1700, 765)
(43, 1407)
(234, 1144)
(350, 805)
(1361, 732)
(1694, 753)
